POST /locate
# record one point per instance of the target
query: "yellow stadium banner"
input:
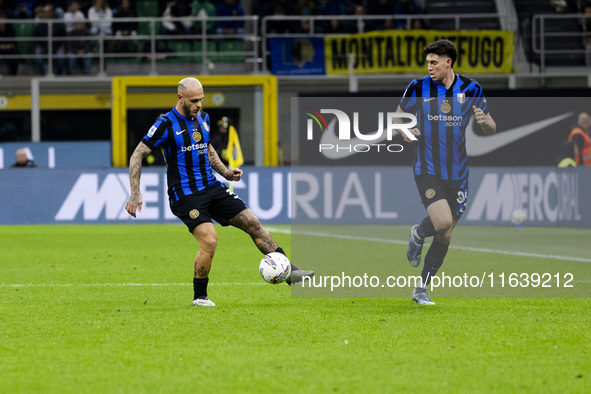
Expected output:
(233, 151)
(401, 51)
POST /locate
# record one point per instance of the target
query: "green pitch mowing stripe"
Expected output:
(78, 325)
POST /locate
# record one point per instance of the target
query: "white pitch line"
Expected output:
(155, 284)
(397, 242)
(122, 284)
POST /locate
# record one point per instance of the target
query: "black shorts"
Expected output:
(215, 202)
(434, 189)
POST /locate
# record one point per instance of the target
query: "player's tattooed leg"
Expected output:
(250, 224)
(200, 272)
(267, 244)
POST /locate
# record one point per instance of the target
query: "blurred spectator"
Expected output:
(333, 8)
(8, 47)
(587, 40)
(380, 7)
(419, 24)
(567, 151)
(24, 10)
(80, 50)
(406, 7)
(202, 9)
(41, 30)
(177, 9)
(306, 8)
(9, 131)
(230, 8)
(580, 136)
(125, 28)
(58, 11)
(6, 8)
(219, 139)
(303, 27)
(270, 8)
(100, 16)
(559, 5)
(23, 160)
(72, 13)
(280, 26)
(357, 25)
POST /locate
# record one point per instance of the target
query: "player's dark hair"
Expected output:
(442, 48)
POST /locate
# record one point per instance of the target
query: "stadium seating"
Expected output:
(211, 51)
(462, 7)
(24, 30)
(124, 60)
(525, 10)
(180, 46)
(147, 8)
(230, 46)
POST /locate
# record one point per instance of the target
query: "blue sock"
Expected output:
(280, 250)
(426, 228)
(200, 287)
(433, 261)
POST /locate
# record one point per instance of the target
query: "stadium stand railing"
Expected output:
(561, 40)
(464, 7)
(150, 45)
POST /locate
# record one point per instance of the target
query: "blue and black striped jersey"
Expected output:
(185, 143)
(442, 117)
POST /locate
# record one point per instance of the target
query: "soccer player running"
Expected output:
(443, 103)
(196, 197)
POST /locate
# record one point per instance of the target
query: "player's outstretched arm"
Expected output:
(135, 172)
(485, 121)
(415, 132)
(231, 174)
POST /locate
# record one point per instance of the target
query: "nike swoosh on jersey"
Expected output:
(329, 137)
(477, 145)
(181, 132)
(428, 99)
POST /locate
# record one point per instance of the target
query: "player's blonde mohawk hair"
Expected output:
(189, 83)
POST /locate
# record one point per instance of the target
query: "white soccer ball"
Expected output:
(275, 268)
(518, 216)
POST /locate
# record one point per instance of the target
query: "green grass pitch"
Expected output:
(108, 309)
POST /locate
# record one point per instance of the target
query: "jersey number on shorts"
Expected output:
(230, 192)
(462, 196)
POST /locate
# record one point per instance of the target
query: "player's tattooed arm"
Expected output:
(135, 166)
(216, 162)
(135, 172)
(231, 174)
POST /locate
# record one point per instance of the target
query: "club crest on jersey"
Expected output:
(197, 136)
(445, 108)
(430, 193)
(461, 98)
